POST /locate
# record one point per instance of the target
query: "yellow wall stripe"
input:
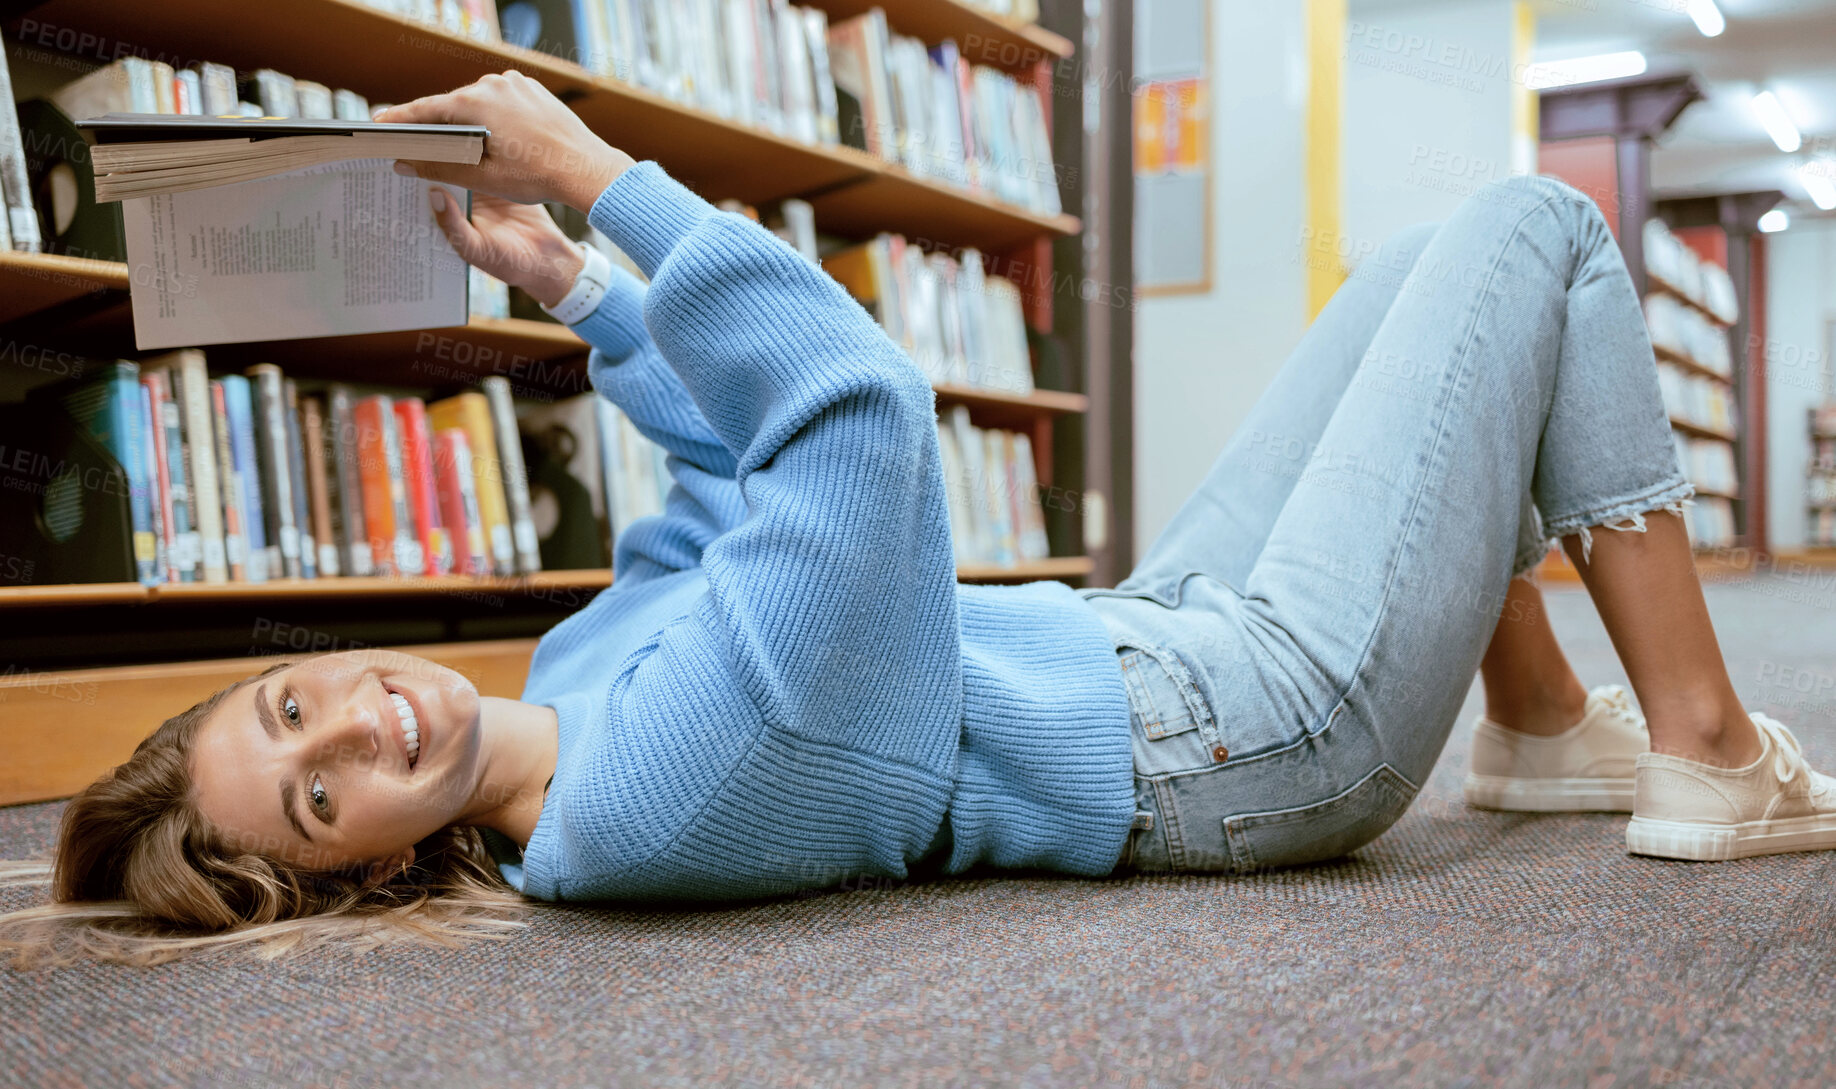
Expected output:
(1325, 95)
(1525, 126)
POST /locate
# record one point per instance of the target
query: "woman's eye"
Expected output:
(317, 794)
(291, 708)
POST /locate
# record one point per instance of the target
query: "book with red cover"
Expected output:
(418, 478)
(375, 425)
(458, 495)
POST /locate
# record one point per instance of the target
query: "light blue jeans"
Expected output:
(1298, 642)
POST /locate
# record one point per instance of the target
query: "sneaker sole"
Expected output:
(1721, 842)
(1549, 795)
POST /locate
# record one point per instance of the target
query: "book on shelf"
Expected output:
(523, 541)
(458, 494)
(229, 478)
(276, 478)
(321, 486)
(470, 18)
(470, 412)
(353, 539)
(418, 481)
(296, 477)
(239, 401)
(956, 322)
(190, 383)
(395, 550)
(992, 490)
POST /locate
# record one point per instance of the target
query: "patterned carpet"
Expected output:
(1461, 949)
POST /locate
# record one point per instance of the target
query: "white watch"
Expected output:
(589, 287)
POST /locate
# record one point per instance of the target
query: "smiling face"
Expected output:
(315, 765)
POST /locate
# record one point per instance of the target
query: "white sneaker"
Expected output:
(1586, 768)
(1683, 809)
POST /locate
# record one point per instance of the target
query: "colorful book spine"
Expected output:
(458, 494)
(256, 557)
(235, 550)
(149, 438)
(319, 485)
(167, 476)
(191, 391)
(418, 479)
(296, 471)
(523, 537)
(354, 553)
(276, 481)
(472, 413)
(385, 500)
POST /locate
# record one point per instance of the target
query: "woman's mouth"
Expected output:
(410, 726)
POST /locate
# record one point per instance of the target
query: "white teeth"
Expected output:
(411, 730)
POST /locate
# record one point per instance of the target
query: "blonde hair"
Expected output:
(139, 877)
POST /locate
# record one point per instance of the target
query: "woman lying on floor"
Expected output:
(786, 688)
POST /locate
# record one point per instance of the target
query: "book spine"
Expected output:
(353, 541)
(516, 477)
(367, 417)
(192, 391)
(161, 475)
(234, 540)
(276, 484)
(130, 444)
(255, 557)
(418, 477)
(296, 473)
(318, 486)
(410, 557)
(471, 412)
(149, 436)
(458, 495)
(20, 231)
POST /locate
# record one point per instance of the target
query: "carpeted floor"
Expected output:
(1461, 949)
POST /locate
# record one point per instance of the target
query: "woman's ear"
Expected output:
(377, 873)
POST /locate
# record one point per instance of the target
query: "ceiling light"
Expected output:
(1817, 183)
(1772, 115)
(1546, 75)
(1774, 221)
(1708, 17)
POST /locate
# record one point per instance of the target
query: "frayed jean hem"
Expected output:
(1625, 515)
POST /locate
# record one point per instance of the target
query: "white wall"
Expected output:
(1201, 360)
(1427, 110)
(1800, 304)
(1426, 119)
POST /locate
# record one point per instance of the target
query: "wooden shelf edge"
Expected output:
(1052, 568)
(1670, 355)
(1698, 431)
(1658, 283)
(1049, 401)
(112, 593)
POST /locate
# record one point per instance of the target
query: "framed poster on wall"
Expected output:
(1172, 160)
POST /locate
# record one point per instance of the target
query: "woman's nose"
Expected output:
(351, 737)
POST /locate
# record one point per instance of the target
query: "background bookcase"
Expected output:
(91, 668)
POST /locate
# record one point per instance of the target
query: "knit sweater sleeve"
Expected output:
(834, 596)
(626, 368)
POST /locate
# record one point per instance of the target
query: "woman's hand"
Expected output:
(517, 243)
(538, 149)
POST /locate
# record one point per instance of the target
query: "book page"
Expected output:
(349, 247)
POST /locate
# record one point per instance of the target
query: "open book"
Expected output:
(244, 229)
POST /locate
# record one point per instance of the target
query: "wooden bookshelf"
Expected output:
(1665, 287)
(388, 58)
(485, 628)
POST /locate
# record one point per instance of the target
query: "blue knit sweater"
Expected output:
(785, 687)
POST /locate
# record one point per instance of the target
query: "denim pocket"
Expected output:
(1172, 727)
(1313, 833)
